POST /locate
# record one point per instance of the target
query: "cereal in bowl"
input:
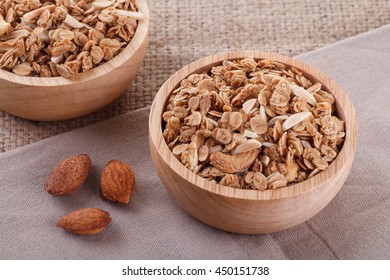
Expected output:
(49, 38)
(253, 125)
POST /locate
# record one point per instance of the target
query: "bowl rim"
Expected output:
(135, 43)
(334, 170)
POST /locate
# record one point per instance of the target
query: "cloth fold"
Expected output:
(354, 225)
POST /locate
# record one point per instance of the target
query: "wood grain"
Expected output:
(251, 211)
(52, 99)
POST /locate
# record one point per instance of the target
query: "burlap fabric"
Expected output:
(182, 31)
(355, 224)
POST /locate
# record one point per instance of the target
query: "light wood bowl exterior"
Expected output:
(53, 99)
(250, 211)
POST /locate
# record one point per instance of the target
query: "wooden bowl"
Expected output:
(52, 99)
(250, 211)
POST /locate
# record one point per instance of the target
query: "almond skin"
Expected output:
(85, 221)
(117, 182)
(69, 175)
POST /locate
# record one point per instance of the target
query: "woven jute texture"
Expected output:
(182, 31)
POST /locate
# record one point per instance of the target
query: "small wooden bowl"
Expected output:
(53, 99)
(250, 211)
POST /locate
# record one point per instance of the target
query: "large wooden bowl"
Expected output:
(52, 99)
(250, 211)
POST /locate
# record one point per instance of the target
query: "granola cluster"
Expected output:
(49, 38)
(253, 125)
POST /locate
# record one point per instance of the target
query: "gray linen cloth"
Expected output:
(355, 225)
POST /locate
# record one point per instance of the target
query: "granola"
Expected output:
(253, 125)
(49, 38)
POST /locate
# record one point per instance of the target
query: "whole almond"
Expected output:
(85, 221)
(117, 182)
(68, 175)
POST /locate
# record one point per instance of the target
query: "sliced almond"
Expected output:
(250, 134)
(262, 113)
(270, 145)
(16, 34)
(264, 160)
(277, 118)
(277, 131)
(198, 168)
(314, 172)
(87, 26)
(57, 59)
(303, 93)
(102, 4)
(135, 15)
(36, 13)
(71, 21)
(198, 139)
(251, 144)
(295, 119)
(306, 144)
(248, 105)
